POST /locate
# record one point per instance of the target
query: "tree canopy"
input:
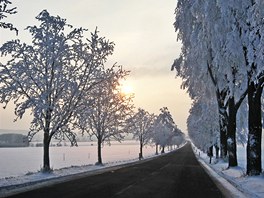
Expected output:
(50, 76)
(224, 41)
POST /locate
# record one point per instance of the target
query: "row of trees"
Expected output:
(62, 80)
(203, 125)
(54, 76)
(154, 129)
(221, 63)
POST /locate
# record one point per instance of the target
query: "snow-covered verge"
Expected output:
(33, 180)
(14, 185)
(19, 171)
(234, 179)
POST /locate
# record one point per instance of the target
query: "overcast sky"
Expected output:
(145, 43)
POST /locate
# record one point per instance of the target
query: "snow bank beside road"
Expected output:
(252, 187)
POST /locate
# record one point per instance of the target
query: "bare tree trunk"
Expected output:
(141, 151)
(157, 149)
(163, 149)
(231, 133)
(46, 140)
(210, 153)
(254, 129)
(99, 151)
(46, 160)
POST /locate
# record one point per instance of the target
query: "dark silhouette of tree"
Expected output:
(4, 12)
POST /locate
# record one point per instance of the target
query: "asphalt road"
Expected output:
(177, 174)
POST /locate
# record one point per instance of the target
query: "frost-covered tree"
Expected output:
(203, 125)
(209, 44)
(194, 65)
(140, 125)
(243, 48)
(248, 22)
(4, 11)
(178, 139)
(233, 65)
(104, 110)
(164, 129)
(50, 76)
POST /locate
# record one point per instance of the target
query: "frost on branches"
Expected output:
(140, 125)
(203, 125)
(165, 131)
(225, 40)
(103, 111)
(4, 11)
(50, 76)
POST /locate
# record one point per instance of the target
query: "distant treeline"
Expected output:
(13, 140)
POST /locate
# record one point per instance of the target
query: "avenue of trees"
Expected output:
(165, 132)
(159, 130)
(221, 64)
(60, 77)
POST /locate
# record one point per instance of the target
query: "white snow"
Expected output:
(13, 185)
(234, 178)
(21, 161)
(20, 169)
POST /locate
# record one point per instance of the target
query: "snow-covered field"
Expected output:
(20, 161)
(249, 186)
(20, 170)
(22, 165)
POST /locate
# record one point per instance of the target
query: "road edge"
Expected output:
(24, 187)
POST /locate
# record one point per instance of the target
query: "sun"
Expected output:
(127, 89)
